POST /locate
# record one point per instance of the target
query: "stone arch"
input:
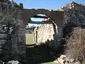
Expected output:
(27, 13)
(37, 16)
(56, 16)
(33, 12)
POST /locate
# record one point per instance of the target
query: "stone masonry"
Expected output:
(44, 32)
(12, 33)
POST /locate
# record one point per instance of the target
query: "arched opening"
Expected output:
(38, 17)
(36, 24)
(42, 38)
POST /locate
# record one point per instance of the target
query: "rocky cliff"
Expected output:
(12, 35)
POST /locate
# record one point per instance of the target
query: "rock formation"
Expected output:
(12, 31)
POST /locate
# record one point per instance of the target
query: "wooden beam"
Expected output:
(43, 22)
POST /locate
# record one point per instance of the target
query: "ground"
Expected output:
(38, 54)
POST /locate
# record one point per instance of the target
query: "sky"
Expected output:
(46, 4)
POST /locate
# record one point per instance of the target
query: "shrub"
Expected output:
(75, 44)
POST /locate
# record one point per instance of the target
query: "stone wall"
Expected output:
(45, 32)
(12, 33)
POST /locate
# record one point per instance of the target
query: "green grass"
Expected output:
(29, 38)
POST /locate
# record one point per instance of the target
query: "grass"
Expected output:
(29, 38)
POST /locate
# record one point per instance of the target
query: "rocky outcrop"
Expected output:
(74, 13)
(12, 33)
(63, 59)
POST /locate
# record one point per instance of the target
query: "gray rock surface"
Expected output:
(12, 31)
